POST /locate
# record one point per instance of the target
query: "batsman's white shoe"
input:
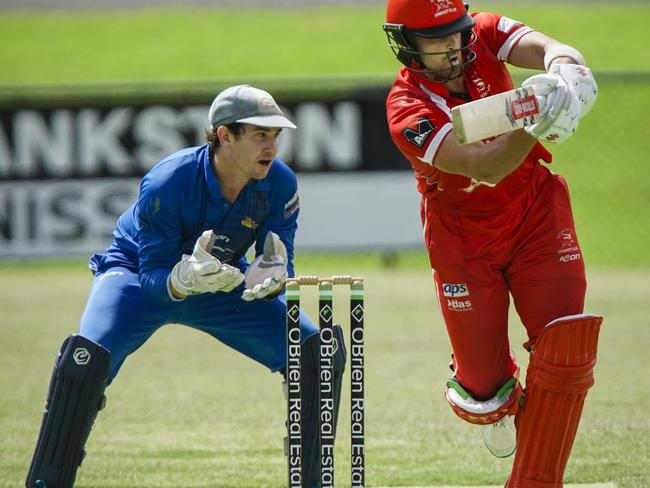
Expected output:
(501, 437)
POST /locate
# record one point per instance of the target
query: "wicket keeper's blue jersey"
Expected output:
(179, 199)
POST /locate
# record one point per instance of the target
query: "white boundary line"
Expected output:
(571, 485)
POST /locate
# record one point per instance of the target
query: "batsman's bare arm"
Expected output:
(484, 162)
(494, 161)
(531, 49)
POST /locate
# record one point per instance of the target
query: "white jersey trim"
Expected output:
(438, 100)
(504, 52)
(506, 24)
(434, 145)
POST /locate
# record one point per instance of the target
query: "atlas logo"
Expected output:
(459, 305)
(455, 290)
(81, 356)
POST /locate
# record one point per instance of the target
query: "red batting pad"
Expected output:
(559, 374)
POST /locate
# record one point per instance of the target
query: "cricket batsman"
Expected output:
(178, 256)
(498, 223)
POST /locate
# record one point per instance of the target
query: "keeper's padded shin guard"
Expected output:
(310, 359)
(75, 396)
(559, 374)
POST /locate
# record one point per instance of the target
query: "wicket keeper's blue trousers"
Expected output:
(120, 317)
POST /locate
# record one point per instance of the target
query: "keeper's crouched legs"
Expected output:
(75, 396)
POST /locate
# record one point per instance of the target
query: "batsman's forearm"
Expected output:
(497, 159)
(488, 162)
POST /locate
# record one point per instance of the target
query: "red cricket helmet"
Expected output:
(406, 19)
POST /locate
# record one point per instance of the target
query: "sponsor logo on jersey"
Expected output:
(482, 88)
(249, 222)
(455, 290)
(565, 236)
(570, 257)
(567, 243)
(418, 132)
(459, 305)
(291, 206)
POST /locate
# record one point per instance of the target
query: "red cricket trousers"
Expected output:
(529, 251)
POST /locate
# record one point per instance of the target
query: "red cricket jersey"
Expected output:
(419, 118)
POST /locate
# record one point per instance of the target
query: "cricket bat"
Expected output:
(498, 114)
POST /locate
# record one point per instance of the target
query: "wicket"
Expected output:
(326, 387)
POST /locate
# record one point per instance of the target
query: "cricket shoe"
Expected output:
(500, 437)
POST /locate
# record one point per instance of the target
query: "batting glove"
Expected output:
(559, 108)
(580, 81)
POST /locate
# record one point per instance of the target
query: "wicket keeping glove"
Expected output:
(202, 272)
(267, 274)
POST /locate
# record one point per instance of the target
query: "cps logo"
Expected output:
(455, 290)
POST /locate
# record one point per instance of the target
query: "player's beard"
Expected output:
(450, 69)
(451, 73)
(447, 74)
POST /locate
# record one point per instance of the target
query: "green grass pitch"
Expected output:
(187, 411)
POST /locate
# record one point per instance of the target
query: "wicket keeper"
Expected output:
(498, 223)
(178, 256)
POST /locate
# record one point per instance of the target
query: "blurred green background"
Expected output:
(144, 50)
(191, 43)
